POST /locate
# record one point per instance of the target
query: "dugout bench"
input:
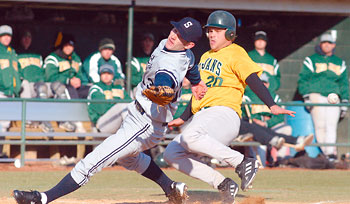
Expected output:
(23, 110)
(18, 109)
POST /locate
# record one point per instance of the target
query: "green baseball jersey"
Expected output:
(270, 67)
(31, 67)
(261, 111)
(186, 95)
(10, 82)
(61, 69)
(102, 91)
(94, 61)
(138, 67)
(324, 75)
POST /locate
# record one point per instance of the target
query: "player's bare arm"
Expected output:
(276, 110)
(199, 90)
(261, 91)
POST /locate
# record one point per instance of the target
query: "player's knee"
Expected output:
(58, 89)
(172, 152)
(41, 90)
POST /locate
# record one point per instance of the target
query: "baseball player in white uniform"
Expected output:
(145, 124)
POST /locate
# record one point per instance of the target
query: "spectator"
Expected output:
(139, 62)
(265, 60)
(104, 55)
(107, 116)
(64, 65)
(262, 116)
(10, 83)
(324, 73)
(33, 78)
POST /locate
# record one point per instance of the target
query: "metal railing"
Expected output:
(23, 142)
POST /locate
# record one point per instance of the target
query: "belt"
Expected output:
(206, 107)
(139, 107)
(142, 111)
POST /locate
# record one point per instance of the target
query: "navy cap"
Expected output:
(260, 35)
(106, 68)
(189, 29)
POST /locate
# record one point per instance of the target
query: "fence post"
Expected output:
(23, 131)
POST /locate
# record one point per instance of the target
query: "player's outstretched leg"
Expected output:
(27, 197)
(247, 170)
(64, 187)
(228, 189)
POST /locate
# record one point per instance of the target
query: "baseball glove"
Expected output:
(161, 95)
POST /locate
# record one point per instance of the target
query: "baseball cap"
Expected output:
(148, 35)
(5, 30)
(189, 29)
(67, 39)
(106, 68)
(260, 35)
(106, 43)
(327, 38)
(26, 33)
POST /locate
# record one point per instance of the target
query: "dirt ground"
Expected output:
(48, 166)
(252, 200)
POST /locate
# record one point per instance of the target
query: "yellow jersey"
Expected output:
(224, 72)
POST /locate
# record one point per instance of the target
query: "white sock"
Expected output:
(43, 198)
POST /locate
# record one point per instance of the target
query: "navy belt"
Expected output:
(142, 111)
(139, 107)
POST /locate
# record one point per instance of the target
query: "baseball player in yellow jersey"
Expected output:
(227, 70)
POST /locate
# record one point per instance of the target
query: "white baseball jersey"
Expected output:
(175, 64)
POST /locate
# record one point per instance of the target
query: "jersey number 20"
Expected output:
(214, 81)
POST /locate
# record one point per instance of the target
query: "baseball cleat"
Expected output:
(303, 141)
(228, 189)
(27, 197)
(247, 170)
(178, 193)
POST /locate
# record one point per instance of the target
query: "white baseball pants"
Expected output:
(136, 134)
(209, 133)
(325, 119)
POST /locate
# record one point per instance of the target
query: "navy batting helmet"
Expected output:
(223, 19)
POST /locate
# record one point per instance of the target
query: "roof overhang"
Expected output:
(308, 6)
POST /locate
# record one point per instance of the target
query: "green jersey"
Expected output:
(61, 69)
(94, 61)
(102, 91)
(324, 75)
(270, 66)
(10, 82)
(31, 67)
(261, 111)
(138, 67)
(186, 95)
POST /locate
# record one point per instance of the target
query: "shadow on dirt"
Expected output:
(195, 197)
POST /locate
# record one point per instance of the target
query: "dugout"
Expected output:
(292, 27)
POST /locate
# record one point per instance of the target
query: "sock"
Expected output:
(154, 173)
(65, 186)
(43, 198)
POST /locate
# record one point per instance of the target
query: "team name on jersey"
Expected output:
(149, 63)
(212, 65)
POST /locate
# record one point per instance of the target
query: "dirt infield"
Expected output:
(273, 186)
(250, 200)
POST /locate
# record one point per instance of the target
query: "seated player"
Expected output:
(107, 116)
